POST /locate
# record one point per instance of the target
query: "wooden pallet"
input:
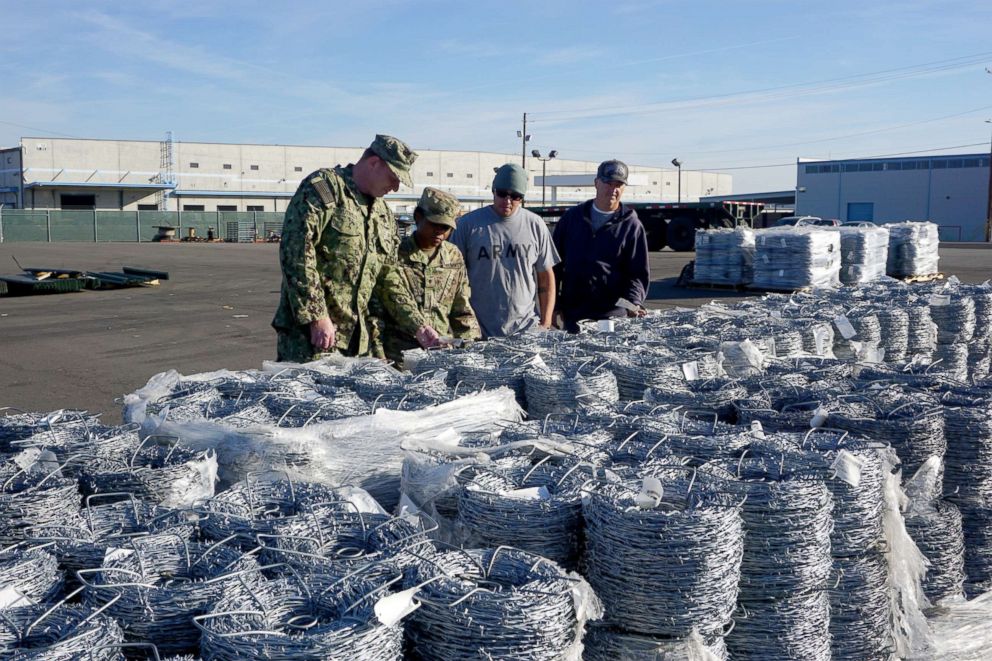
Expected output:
(930, 277)
(779, 290)
(692, 284)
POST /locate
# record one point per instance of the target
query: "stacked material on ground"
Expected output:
(795, 258)
(864, 253)
(913, 249)
(724, 256)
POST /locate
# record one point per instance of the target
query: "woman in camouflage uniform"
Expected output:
(425, 293)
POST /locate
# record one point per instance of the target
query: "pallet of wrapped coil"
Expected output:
(724, 256)
(864, 253)
(793, 258)
(913, 249)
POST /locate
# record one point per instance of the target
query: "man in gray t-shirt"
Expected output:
(510, 259)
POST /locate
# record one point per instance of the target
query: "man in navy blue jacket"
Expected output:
(604, 254)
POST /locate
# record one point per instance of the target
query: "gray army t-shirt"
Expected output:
(503, 257)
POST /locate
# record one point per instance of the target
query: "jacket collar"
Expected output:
(622, 212)
(346, 174)
(410, 251)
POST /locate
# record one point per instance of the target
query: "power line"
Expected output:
(34, 128)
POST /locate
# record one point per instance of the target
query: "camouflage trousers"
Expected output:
(293, 346)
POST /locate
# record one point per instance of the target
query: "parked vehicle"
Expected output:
(675, 225)
(807, 221)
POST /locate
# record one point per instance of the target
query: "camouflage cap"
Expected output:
(439, 207)
(397, 155)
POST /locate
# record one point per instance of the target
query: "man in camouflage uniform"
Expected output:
(337, 236)
(426, 292)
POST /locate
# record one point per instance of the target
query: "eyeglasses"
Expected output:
(516, 197)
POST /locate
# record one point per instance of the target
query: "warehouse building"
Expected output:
(951, 191)
(135, 175)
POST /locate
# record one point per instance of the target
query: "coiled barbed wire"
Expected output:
(724, 256)
(604, 643)
(976, 523)
(670, 568)
(912, 249)
(33, 573)
(955, 318)
(864, 253)
(952, 359)
(938, 532)
(492, 603)
(533, 507)
(567, 385)
(289, 618)
(860, 626)
(36, 495)
(62, 632)
(255, 506)
(717, 395)
(968, 457)
(50, 429)
(894, 328)
(495, 370)
(153, 585)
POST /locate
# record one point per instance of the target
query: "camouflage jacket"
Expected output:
(425, 288)
(335, 243)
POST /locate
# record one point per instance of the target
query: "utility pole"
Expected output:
(988, 206)
(523, 143)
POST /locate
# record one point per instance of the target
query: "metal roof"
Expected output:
(96, 184)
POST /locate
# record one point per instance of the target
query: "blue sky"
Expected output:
(737, 86)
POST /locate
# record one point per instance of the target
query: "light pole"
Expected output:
(677, 163)
(523, 144)
(536, 153)
(988, 210)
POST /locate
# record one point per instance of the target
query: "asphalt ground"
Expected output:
(86, 350)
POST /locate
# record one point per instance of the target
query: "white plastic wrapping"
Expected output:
(864, 254)
(724, 256)
(961, 630)
(587, 607)
(796, 257)
(913, 249)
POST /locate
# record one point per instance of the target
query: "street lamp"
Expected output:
(536, 153)
(677, 163)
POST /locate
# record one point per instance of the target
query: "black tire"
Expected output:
(682, 234)
(656, 238)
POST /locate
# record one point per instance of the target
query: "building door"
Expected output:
(861, 211)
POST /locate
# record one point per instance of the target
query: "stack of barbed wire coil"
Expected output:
(860, 626)
(921, 331)
(58, 425)
(912, 249)
(567, 385)
(894, 328)
(724, 256)
(783, 605)
(796, 258)
(968, 458)
(63, 632)
(532, 507)
(297, 411)
(639, 370)
(955, 318)
(671, 568)
(290, 618)
(867, 325)
(864, 252)
(395, 391)
(912, 423)
(603, 643)
(33, 573)
(153, 585)
(937, 530)
(252, 507)
(491, 604)
(952, 360)
(717, 395)
(976, 521)
(35, 496)
(151, 472)
(494, 371)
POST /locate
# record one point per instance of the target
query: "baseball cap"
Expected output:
(397, 155)
(612, 170)
(439, 207)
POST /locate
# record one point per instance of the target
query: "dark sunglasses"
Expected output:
(516, 197)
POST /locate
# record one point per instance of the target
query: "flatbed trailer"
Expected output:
(675, 224)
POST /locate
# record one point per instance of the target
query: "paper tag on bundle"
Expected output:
(843, 324)
(691, 371)
(113, 553)
(394, 607)
(530, 493)
(756, 429)
(10, 597)
(537, 362)
(819, 417)
(820, 336)
(939, 300)
(776, 313)
(954, 280)
(847, 467)
(606, 326)
(626, 305)
(650, 495)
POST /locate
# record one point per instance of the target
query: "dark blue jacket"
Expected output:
(598, 268)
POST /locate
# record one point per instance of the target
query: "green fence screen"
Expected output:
(95, 225)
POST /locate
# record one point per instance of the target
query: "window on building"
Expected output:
(954, 163)
(254, 167)
(430, 174)
(227, 207)
(298, 168)
(877, 167)
(654, 183)
(938, 164)
(227, 166)
(76, 201)
(470, 176)
(971, 162)
(983, 162)
(861, 211)
(864, 167)
(850, 167)
(194, 166)
(451, 175)
(893, 166)
(812, 169)
(193, 207)
(255, 207)
(147, 207)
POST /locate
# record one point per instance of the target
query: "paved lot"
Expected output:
(86, 350)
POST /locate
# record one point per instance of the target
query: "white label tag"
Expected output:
(819, 417)
(938, 300)
(756, 429)
(691, 371)
(112, 554)
(847, 467)
(394, 607)
(606, 326)
(626, 305)
(650, 495)
(820, 336)
(843, 324)
(11, 597)
(531, 493)
(538, 362)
